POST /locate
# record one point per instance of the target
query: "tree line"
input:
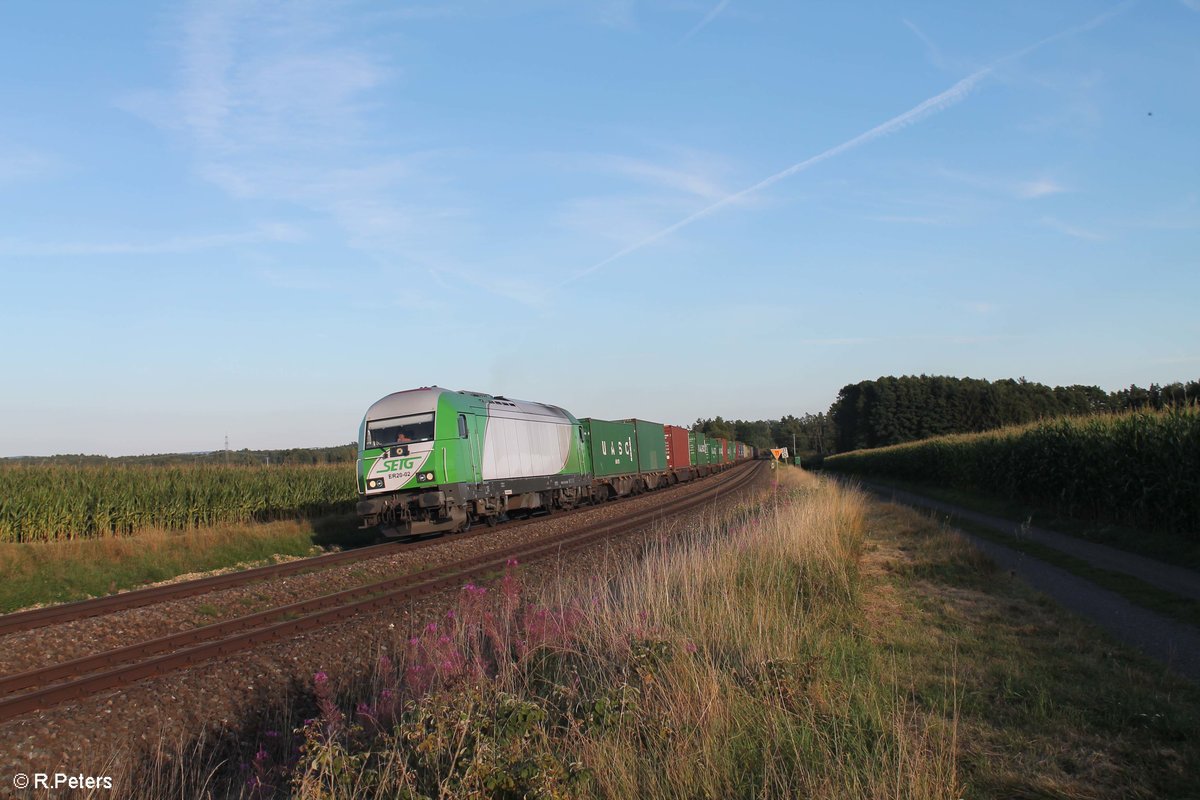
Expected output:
(890, 410)
(291, 457)
(811, 433)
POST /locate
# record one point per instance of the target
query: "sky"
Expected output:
(253, 219)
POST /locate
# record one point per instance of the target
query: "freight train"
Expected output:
(432, 460)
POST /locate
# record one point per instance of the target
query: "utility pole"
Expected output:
(227, 449)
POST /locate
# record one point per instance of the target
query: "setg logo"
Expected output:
(392, 471)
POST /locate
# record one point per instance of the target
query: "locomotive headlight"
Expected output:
(425, 477)
(375, 483)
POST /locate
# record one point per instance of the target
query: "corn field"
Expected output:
(1140, 469)
(40, 503)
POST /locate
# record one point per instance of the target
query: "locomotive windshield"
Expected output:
(399, 430)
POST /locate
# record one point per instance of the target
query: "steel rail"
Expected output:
(258, 628)
(18, 621)
(109, 658)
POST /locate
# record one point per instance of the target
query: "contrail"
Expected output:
(709, 17)
(939, 102)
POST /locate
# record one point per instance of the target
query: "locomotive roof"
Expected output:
(425, 400)
(410, 401)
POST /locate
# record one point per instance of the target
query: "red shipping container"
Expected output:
(678, 452)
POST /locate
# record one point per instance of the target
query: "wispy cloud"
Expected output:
(300, 279)
(611, 13)
(932, 50)
(839, 341)
(690, 178)
(277, 103)
(909, 219)
(1073, 231)
(930, 106)
(178, 244)
(1183, 215)
(1023, 189)
(636, 193)
(712, 14)
(933, 105)
(618, 217)
(950, 338)
(19, 163)
(689, 171)
(528, 292)
(1040, 188)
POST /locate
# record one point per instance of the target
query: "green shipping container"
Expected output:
(651, 445)
(613, 446)
(699, 448)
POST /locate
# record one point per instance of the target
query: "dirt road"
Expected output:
(1174, 643)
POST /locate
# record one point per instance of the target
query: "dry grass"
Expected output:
(37, 573)
(815, 645)
(1047, 706)
(731, 661)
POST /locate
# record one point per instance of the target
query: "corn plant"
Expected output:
(1140, 469)
(48, 502)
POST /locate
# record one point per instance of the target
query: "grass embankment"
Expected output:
(1135, 477)
(54, 502)
(1135, 590)
(1048, 705)
(38, 573)
(819, 646)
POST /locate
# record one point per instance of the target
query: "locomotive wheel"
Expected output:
(490, 519)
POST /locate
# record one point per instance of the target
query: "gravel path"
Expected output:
(1173, 643)
(1180, 580)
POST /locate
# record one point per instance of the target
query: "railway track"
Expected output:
(66, 612)
(42, 688)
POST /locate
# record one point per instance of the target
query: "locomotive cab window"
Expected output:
(400, 430)
(462, 426)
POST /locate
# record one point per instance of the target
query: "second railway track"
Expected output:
(79, 678)
(18, 621)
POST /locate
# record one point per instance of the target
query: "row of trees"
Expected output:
(812, 433)
(293, 457)
(874, 413)
(890, 410)
(893, 410)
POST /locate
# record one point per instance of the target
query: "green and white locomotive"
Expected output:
(433, 460)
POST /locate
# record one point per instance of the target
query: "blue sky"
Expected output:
(255, 219)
